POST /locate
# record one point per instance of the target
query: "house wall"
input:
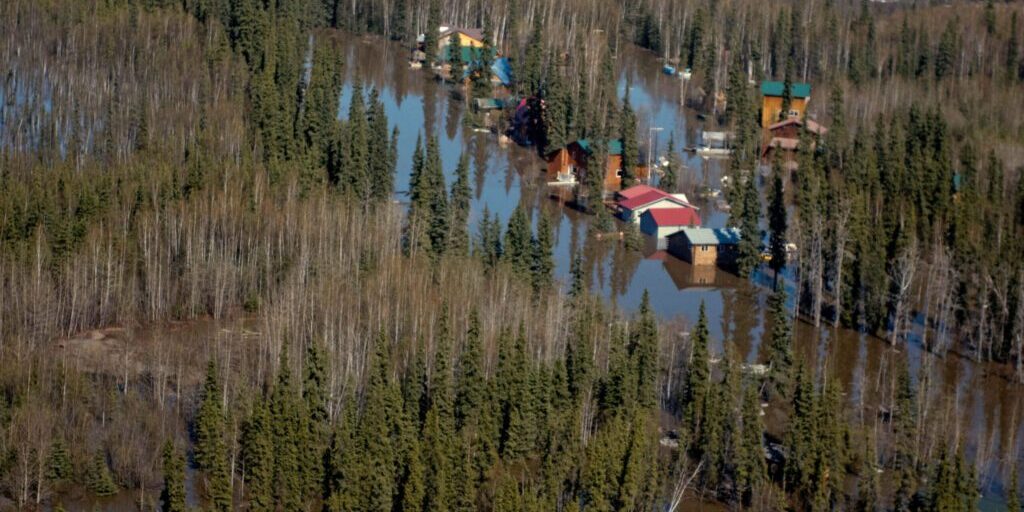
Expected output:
(704, 254)
(561, 162)
(463, 39)
(612, 179)
(771, 106)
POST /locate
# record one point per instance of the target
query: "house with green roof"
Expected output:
(772, 98)
(705, 246)
(567, 164)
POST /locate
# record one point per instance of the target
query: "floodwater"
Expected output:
(977, 403)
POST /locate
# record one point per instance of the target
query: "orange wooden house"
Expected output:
(772, 94)
(566, 164)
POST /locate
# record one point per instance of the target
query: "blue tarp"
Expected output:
(501, 69)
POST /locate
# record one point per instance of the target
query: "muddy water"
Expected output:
(986, 404)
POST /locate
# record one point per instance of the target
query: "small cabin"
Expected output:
(565, 164)
(772, 94)
(704, 246)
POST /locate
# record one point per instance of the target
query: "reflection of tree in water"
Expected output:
(429, 107)
(744, 308)
(510, 171)
(453, 118)
(480, 158)
(594, 251)
(624, 265)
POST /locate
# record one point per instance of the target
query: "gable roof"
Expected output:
(664, 217)
(649, 198)
(812, 126)
(707, 236)
(635, 190)
(799, 90)
(473, 33)
(502, 69)
(614, 146)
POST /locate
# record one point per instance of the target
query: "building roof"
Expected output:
(614, 146)
(649, 198)
(665, 217)
(799, 90)
(710, 236)
(635, 190)
(502, 69)
(473, 33)
(812, 126)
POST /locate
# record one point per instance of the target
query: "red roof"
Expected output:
(664, 217)
(812, 126)
(635, 190)
(647, 198)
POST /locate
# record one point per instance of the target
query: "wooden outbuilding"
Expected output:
(704, 246)
(568, 164)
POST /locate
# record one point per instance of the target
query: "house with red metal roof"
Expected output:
(662, 222)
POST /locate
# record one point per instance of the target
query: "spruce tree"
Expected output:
(643, 350)
(669, 180)
(172, 497)
(517, 248)
(698, 374)
(430, 33)
(98, 479)
(780, 344)
(557, 111)
(375, 476)
(542, 247)
(868, 484)
(314, 394)
(458, 237)
(210, 447)
(456, 65)
(471, 384)
(357, 163)
(777, 224)
(630, 149)
(379, 149)
(751, 469)
(533, 64)
(437, 229)
(749, 250)
(258, 457)
(58, 463)
(288, 435)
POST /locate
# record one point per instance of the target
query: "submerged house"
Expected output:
(566, 164)
(703, 246)
(772, 94)
(662, 222)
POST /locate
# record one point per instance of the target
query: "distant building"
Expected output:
(636, 200)
(566, 164)
(783, 138)
(662, 222)
(703, 246)
(772, 94)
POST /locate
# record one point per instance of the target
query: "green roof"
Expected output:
(470, 54)
(710, 236)
(799, 90)
(614, 146)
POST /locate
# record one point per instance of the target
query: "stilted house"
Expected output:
(703, 246)
(772, 98)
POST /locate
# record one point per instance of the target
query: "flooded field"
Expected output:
(984, 398)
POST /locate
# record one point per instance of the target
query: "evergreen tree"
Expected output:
(699, 374)
(460, 200)
(780, 344)
(357, 162)
(210, 448)
(542, 247)
(58, 463)
(517, 247)
(669, 180)
(374, 477)
(577, 276)
(258, 457)
(533, 63)
(751, 469)
(630, 149)
(98, 479)
(643, 349)
(868, 484)
(557, 111)
(457, 67)
(749, 250)
(438, 204)
(379, 148)
(172, 497)
(288, 431)
(777, 224)
(314, 395)
(469, 395)
(430, 33)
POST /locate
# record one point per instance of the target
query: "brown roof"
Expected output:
(784, 143)
(812, 126)
(474, 33)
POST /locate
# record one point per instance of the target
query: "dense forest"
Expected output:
(167, 160)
